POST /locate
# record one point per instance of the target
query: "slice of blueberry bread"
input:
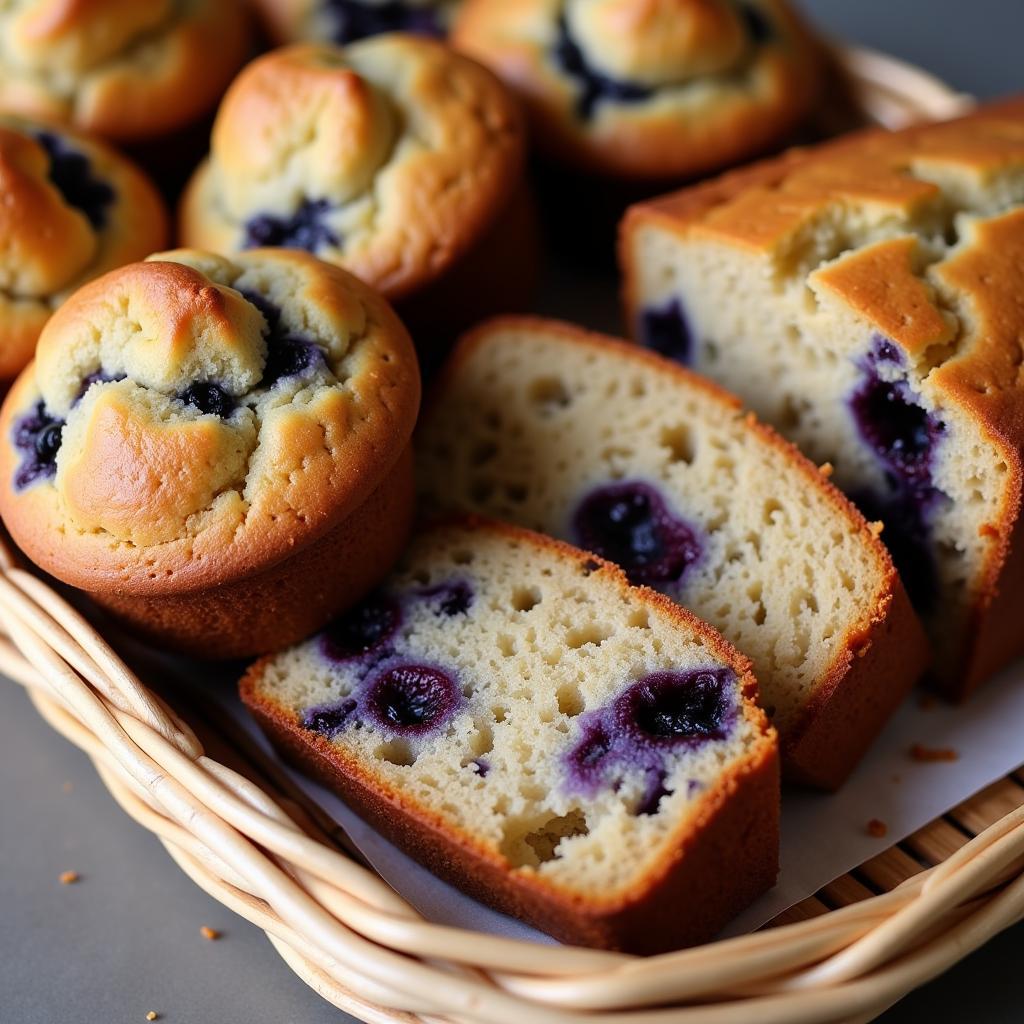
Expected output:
(573, 750)
(628, 455)
(866, 299)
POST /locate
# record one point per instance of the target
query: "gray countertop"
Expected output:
(126, 938)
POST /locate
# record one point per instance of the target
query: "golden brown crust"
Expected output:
(881, 656)
(413, 151)
(717, 94)
(736, 823)
(759, 207)
(120, 69)
(50, 247)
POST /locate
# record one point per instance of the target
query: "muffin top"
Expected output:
(389, 157)
(70, 209)
(345, 21)
(192, 419)
(123, 69)
(648, 89)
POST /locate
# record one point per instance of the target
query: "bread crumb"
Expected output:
(152, 1015)
(876, 528)
(209, 933)
(69, 877)
(877, 828)
(919, 752)
(826, 469)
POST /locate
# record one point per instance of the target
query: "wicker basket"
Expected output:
(253, 842)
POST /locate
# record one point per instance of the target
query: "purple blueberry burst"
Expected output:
(208, 398)
(411, 698)
(629, 523)
(655, 717)
(363, 630)
(667, 331)
(303, 229)
(329, 719)
(357, 19)
(72, 175)
(288, 355)
(37, 436)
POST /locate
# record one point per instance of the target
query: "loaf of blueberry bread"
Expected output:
(345, 21)
(217, 450)
(570, 749)
(632, 457)
(867, 300)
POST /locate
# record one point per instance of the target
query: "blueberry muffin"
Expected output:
(632, 457)
(394, 158)
(123, 69)
(866, 299)
(577, 752)
(70, 210)
(345, 21)
(649, 90)
(215, 450)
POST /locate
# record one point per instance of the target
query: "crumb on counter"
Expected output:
(209, 933)
(152, 1015)
(877, 828)
(919, 752)
(69, 877)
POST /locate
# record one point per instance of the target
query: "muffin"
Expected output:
(70, 210)
(867, 297)
(120, 69)
(216, 450)
(572, 750)
(394, 158)
(345, 21)
(649, 90)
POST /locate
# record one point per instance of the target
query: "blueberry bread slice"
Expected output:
(632, 457)
(572, 750)
(866, 299)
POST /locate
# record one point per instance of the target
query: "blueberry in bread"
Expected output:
(120, 69)
(216, 450)
(345, 21)
(649, 89)
(394, 158)
(866, 299)
(70, 210)
(625, 453)
(570, 749)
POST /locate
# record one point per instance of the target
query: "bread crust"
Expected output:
(673, 43)
(722, 857)
(881, 656)
(984, 380)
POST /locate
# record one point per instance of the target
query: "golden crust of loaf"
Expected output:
(294, 21)
(688, 85)
(121, 69)
(152, 496)
(736, 820)
(50, 243)
(920, 176)
(408, 151)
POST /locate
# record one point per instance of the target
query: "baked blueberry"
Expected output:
(357, 19)
(287, 354)
(755, 21)
(97, 377)
(667, 331)
(304, 229)
(412, 698)
(37, 436)
(364, 629)
(208, 398)
(452, 598)
(630, 524)
(329, 719)
(71, 173)
(670, 707)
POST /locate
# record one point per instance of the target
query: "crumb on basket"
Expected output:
(209, 933)
(919, 752)
(69, 877)
(152, 1015)
(877, 828)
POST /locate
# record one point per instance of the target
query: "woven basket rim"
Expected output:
(362, 947)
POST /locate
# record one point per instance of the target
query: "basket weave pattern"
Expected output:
(267, 854)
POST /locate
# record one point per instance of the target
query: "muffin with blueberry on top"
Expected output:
(216, 450)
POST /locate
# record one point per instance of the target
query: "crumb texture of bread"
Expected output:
(559, 743)
(656, 90)
(866, 300)
(345, 21)
(626, 454)
(121, 69)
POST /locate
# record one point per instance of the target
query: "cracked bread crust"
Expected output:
(649, 90)
(644, 882)
(397, 154)
(924, 246)
(58, 233)
(120, 69)
(293, 21)
(194, 422)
